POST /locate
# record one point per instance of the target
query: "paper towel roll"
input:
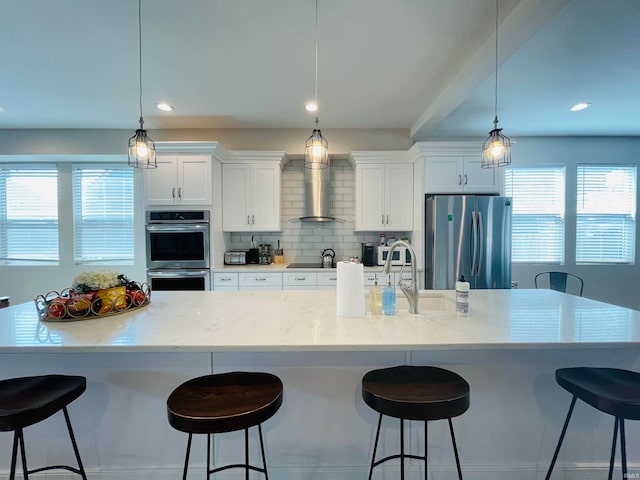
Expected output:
(350, 289)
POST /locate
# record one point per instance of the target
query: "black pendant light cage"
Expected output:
(142, 150)
(316, 149)
(496, 149)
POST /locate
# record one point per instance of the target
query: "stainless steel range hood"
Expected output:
(317, 195)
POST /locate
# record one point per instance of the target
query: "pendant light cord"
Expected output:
(316, 52)
(140, 59)
(495, 109)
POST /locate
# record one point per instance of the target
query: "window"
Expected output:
(103, 214)
(538, 213)
(28, 214)
(606, 214)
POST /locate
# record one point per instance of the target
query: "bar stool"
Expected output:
(610, 390)
(225, 402)
(415, 393)
(26, 401)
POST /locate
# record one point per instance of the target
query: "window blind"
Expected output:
(103, 215)
(29, 214)
(606, 214)
(538, 213)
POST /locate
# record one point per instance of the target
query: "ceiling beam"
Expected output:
(522, 23)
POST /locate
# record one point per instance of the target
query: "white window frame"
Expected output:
(606, 214)
(554, 211)
(7, 225)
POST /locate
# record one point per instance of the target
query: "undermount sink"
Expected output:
(429, 301)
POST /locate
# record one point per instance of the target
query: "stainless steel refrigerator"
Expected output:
(467, 235)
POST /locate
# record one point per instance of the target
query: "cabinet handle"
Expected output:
(253, 219)
(173, 192)
(223, 279)
(459, 179)
(179, 192)
(299, 279)
(387, 219)
(382, 219)
(258, 279)
(248, 220)
(465, 178)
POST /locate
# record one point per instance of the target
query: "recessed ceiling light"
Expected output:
(164, 106)
(311, 107)
(580, 106)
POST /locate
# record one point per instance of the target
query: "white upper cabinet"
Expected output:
(383, 191)
(184, 174)
(251, 192)
(455, 167)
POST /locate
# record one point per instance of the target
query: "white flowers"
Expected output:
(99, 280)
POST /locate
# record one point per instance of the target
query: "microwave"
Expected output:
(401, 255)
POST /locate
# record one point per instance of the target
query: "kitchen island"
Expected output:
(507, 348)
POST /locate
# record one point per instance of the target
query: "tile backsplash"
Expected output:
(304, 241)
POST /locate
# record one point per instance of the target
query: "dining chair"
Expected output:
(560, 281)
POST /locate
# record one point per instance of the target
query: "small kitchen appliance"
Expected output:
(368, 253)
(328, 258)
(235, 257)
(400, 256)
(265, 254)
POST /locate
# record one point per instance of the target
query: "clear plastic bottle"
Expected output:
(375, 298)
(389, 299)
(462, 296)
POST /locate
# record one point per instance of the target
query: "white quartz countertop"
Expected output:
(283, 321)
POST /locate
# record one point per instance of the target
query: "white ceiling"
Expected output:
(423, 65)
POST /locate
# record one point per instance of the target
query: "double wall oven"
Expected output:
(178, 250)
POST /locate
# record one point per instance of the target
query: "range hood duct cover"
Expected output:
(317, 195)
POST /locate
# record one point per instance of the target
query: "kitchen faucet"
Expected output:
(410, 291)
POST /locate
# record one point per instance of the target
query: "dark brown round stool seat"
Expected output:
(28, 400)
(25, 401)
(416, 392)
(224, 402)
(610, 390)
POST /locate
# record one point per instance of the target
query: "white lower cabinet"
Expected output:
(225, 281)
(299, 281)
(260, 281)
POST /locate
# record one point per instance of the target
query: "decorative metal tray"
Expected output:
(69, 305)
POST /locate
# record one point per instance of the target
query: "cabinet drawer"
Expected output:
(258, 279)
(327, 279)
(225, 280)
(297, 278)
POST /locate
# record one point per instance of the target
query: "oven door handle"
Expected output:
(177, 228)
(177, 273)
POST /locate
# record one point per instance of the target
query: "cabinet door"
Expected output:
(194, 180)
(370, 197)
(481, 180)
(161, 183)
(265, 198)
(399, 197)
(444, 174)
(236, 197)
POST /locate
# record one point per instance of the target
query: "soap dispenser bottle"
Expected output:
(375, 297)
(389, 299)
(462, 296)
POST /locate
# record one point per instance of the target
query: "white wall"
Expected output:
(617, 284)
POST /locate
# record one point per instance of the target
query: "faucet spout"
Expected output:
(410, 291)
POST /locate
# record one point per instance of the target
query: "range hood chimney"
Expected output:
(317, 195)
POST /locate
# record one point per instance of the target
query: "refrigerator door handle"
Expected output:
(474, 243)
(481, 242)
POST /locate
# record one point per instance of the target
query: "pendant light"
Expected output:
(142, 150)
(496, 150)
(316, 150)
